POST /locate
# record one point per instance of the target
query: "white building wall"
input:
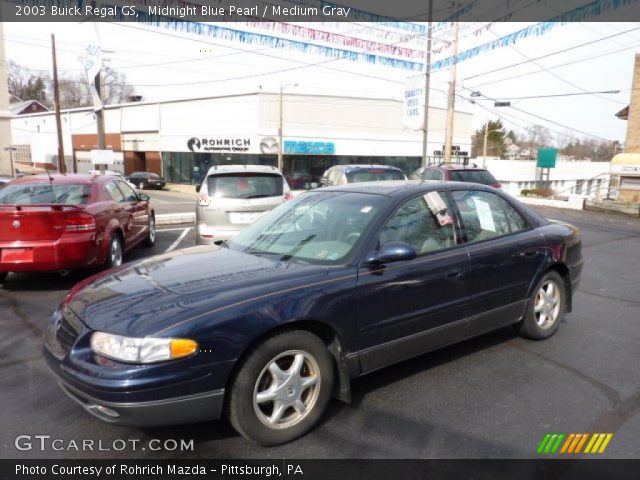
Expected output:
(565, 178)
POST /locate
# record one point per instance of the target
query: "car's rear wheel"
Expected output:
(150, 241)
(115, 254)
(545, 308)
(282, 388)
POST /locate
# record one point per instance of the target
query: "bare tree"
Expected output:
(25, 85)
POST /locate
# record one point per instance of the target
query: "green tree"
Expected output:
(25, 85)
(496, 146)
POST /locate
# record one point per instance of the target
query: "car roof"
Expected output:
(66, 179)
(397, 188)
(358, 166)
(456, 167)
(242, 168)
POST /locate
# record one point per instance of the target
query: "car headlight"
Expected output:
(141, 350)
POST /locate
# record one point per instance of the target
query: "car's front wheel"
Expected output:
(150, 241)
(282, 388)
(545, 308)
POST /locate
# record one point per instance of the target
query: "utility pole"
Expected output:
(427, 85)
(100, 119)
(484, 149)
(451, 105)
(62, 166)
(280, 122)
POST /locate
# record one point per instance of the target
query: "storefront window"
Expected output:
(191, 168)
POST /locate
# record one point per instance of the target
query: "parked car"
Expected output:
(233, 196)
(114, 173)
(456, 173)
(61, 222)
(4, 181)
(147, 180)
(337, 283)
(343, 174)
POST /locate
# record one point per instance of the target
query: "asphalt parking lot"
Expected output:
(495, 396)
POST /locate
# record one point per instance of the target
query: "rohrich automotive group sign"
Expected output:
(219, 144)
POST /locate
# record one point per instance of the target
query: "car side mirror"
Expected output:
(197, 188)
(394, 252)
(144, 197)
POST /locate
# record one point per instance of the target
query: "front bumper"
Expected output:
(173, 411)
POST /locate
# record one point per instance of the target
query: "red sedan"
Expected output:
(60, 222)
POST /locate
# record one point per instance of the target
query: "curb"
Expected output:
(175, 218)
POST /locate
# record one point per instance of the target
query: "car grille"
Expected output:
(68, 331)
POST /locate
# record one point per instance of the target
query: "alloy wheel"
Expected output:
(287, 389)
(547, 304)
(115, 252)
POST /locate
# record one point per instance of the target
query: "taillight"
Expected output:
(80, 223)
(288, 195)
(496, 185)
(203, 198)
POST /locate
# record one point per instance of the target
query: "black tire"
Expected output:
(3, 276)
(114, 260)
(150, 241)
(538, 325)
(249, 417)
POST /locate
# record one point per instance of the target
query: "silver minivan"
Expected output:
(233, 196)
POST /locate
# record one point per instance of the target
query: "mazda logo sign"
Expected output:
(269, 145)
(16, 224)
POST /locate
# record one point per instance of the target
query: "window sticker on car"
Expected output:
(484, 215)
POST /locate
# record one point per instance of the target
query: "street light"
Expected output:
(280, 160)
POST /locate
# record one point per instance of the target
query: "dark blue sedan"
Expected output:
(337, 283)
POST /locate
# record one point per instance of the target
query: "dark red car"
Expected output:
(456, 173)
(60, 222)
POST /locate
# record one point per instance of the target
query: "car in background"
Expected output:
(233, 196)
(61, 222)
(4, 181)
(343, 174)
(113, 173)
(144, 180)
(335, 284)
(456, 173)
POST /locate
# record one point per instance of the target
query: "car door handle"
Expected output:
(532, 252)
(455, 273)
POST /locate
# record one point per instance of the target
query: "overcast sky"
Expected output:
(163, 64)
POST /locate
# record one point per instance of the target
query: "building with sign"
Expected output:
(181, 139)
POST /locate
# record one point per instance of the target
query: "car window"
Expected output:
(417, 175)
(114, 192)
(481, 215)
(424, 222)
(483, 177)
(322, 227)
(245, 185)
(45, 193)
(374, 175)
(517, 222)
(129, 193)
(433, 174)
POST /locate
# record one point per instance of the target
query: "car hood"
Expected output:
(155, 294)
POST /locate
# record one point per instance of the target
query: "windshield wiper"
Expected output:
(297, 248)
(258, 196)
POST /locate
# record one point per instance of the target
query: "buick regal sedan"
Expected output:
(334, 284)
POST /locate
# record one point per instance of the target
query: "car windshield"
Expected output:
(473, 176)
(318, 227)
(155, 176)
(244, 185)
(374, 175)
(45, 193)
